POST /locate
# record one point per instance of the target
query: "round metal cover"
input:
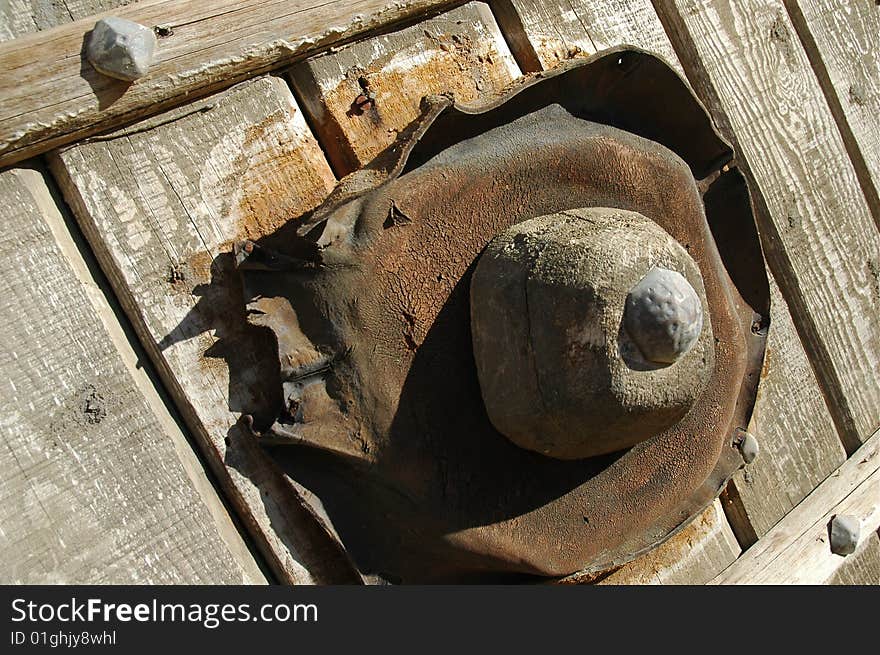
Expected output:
(379, 408)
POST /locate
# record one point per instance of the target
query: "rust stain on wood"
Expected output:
(361, 96)
(278, 186)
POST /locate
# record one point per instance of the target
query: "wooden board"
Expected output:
(460, 52)
(18, 17)
(799, 445)
(161, 203)
(693, 556)
(840, 37)
(818, 233)
(862, 567)
(55, 98)
(553, 31)
(95, 489)
(796, 550)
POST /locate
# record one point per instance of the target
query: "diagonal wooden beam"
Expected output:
(796, 550)
(49, 94)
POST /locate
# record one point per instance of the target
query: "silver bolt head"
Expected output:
(121, 48)
(663, 315)
(748, 448)
(844, 534)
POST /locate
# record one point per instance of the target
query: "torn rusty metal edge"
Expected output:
(615, 87)
(443, 122)
(327, 560)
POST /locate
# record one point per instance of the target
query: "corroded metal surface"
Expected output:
(368, 297)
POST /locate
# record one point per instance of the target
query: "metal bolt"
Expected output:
(844, 534)
(121, 48)
(748, 446)
(663, 315)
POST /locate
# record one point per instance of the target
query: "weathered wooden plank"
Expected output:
(798, 441)
(94, 487)
(161, 204)
(55, 98)
(553, 31)
(840, 37)
(460, 52)
(693, 556)
(796, 550)
(818, 234)
(862, 567)
(18, 17)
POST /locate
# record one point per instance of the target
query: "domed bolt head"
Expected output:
(844, 531)
(748, 447)
(663, 315)
(121, 48)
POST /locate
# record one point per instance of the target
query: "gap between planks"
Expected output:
(20, 17)
(545, 33)
(798, 440)
(460, 52)
(79, 256)
(860, 73)
(161, 204)
(97, 490)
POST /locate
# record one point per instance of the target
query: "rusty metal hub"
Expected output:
(549, 439)
(577, 321)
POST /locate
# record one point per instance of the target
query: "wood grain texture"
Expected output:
(19, 17)
(57, 97)
(692, 557)
(798, 441)
(93, 487)
(161, 204)
(840, 38)
(817, 231)
(862, 567)
(559, 30)
(796, 550)
(460, 52)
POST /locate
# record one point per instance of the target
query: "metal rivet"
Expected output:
(748, 446)
(121, 48)
(844, 533)
(663, 315)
